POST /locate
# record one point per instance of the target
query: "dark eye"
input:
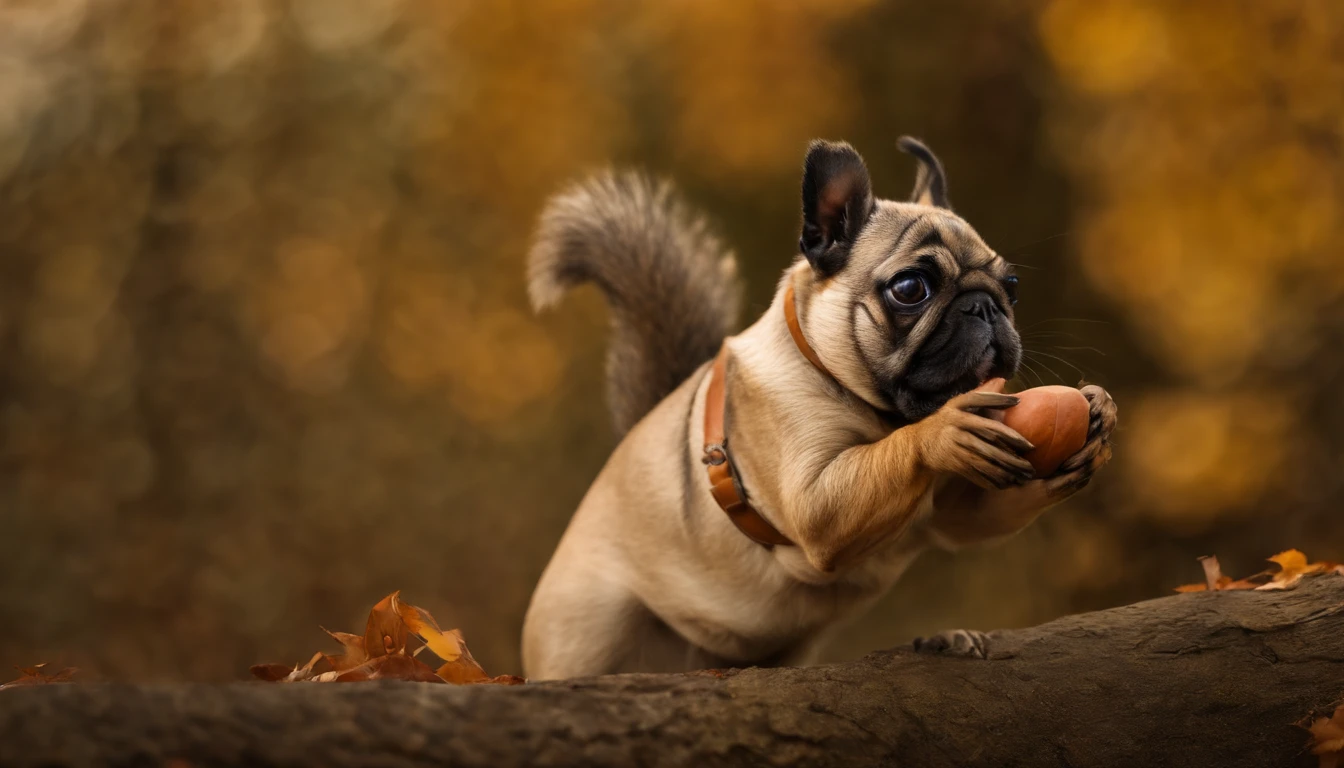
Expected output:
(908, 289)
(1010, 288)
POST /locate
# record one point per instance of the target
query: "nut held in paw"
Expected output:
(1054, 419)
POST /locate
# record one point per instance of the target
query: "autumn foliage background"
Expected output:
(265, 353)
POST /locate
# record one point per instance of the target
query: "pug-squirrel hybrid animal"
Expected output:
(772, 483)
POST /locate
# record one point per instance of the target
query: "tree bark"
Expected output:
(1216, 679)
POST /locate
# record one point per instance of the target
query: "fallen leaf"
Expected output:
(271, 673)
(306, 671)
(506, 680)
(1213, 576)
(447, 646)
(1293, 566)
(381, 653)
(354, 654)
(1214, 580)
(1327, 738)
(280, 673)
(721, 674)
(1213, 572)
(35, 675)
(391, 667)
(463, 669)
(385, 632)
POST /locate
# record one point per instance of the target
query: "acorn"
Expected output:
(1054, 419)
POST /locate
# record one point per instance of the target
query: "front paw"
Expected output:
(964, 643)
(1077, 470)
(984, 451)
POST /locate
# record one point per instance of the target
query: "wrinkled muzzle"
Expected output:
(973, 342)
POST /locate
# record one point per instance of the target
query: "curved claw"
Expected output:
(964, 643)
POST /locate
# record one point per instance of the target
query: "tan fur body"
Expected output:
(666, 559)
(652, 576)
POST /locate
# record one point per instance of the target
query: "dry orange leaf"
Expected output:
(381, 653)
(306, 671)
(279, 673)
(386, 632)
(1214, 578)
(463, 669)
(354, 654)
(36, 675)
(1327, 738)
(506, 680)
(1293, 566)
(446, 645)
(391, 667)
(271, 673)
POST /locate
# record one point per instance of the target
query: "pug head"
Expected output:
(905, 304)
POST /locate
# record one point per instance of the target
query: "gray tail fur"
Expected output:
(671, 286)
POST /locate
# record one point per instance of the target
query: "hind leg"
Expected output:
(584, 622)
(661, 649)
(580, 626)
(581, 621)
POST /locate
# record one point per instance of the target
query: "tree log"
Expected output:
(1216, 679)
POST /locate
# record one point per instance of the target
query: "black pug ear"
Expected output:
(837, 201)
(930, 181)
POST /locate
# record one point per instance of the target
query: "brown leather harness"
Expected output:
(724, 482)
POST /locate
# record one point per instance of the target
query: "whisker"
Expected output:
(1027, 367)
(1045, 366)
(1021, 376)
(1081, 373)
(1048, 335)
(1070, 320)
(1040, 378)
(1058, 347)
(1080, 349)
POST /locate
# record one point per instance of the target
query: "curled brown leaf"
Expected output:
(447, 646)
(354, 654)
(381, 652)
(506, 680)
(385, 632)
(1293, 566)
(390, 667)
(37, 675)
(271, 673)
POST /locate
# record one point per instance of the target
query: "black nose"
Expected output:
(979, 304)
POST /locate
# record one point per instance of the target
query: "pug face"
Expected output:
(908, 306)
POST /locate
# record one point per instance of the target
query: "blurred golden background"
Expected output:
(265, 353)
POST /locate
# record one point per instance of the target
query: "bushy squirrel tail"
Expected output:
(671, 285)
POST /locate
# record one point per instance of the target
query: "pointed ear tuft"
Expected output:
(930, 181)
(837, 201)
